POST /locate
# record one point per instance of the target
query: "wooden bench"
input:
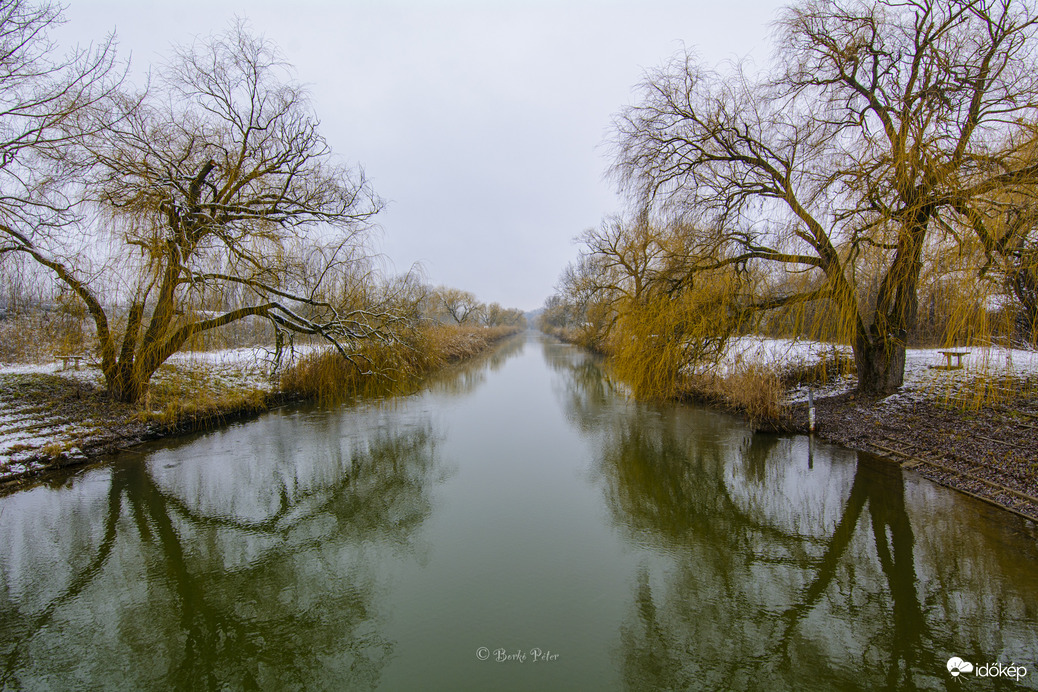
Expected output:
(75, 362)
(948, 355)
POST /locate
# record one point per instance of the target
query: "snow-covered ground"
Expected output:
(924, 378)
(236, 367)
(29, 427)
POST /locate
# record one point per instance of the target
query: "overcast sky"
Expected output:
(483, 123)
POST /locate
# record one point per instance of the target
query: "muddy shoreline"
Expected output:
(991, 454)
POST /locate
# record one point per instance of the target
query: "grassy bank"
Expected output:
(53, 418)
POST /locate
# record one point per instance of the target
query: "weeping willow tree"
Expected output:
(216, 200)
(662, 337)
(628, 296)
(1006, 224)
(881, 126)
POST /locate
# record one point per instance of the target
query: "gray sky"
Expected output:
(483, 123)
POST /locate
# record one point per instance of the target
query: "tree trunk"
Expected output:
(880, 360)
(1024, 282)
(127, 386)
(879, 350)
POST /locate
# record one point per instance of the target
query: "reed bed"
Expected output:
(383, 368)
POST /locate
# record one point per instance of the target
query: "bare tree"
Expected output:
(45, 99)
(581, 310)
(880, 126)
(217, 184)
(496, 315)
(461, 306)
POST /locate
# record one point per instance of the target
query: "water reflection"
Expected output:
(464, 378)
(219, 566)
(653, 547)
(780, 573)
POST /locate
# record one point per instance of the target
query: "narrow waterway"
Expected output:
(517, 525)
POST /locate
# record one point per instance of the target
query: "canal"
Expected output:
(519, 524)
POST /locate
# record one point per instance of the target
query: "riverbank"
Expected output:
(53, 417)
(974, 429)
(990, 453)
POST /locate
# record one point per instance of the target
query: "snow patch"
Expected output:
(924, 378)
(27, 429)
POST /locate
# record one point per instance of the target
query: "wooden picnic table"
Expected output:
(958, 359)
(75, 361)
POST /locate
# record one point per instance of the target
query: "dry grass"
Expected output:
(189, 397)
(382, 368)
(749, 388)
(39, 336)
(445, 344)
(984, 390)
(57, 449)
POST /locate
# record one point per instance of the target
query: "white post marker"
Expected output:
(810, 409)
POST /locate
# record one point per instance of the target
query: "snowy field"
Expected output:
(247, 368)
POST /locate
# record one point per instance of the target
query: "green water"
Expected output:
(519, 504)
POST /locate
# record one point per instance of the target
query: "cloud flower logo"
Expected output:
(956, 665)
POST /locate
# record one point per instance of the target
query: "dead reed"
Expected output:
(752, 389)
(382, 368)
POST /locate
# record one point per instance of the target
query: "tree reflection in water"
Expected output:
(465, 377)
(260, 578)
(782, 575)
